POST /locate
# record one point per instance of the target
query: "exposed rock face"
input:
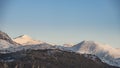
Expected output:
(49, 58)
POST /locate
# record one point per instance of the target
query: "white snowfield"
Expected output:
(26, 40)
(105, 52)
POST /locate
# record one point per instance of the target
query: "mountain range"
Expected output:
(105, 53)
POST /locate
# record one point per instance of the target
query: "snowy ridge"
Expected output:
(106, 53)
(26, 40)
(7, 45)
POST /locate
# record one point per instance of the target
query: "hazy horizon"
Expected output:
(64, 21)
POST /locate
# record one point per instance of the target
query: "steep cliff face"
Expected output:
(50, 58)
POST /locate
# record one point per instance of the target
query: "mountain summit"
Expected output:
(26, 40)
(105, 52)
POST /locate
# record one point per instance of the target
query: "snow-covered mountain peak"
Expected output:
(93, 44)
(86, 44)
(93, 47)
(26, 40)
(89, 42)
(105, 52)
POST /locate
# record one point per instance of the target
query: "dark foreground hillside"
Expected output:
(49, 59)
